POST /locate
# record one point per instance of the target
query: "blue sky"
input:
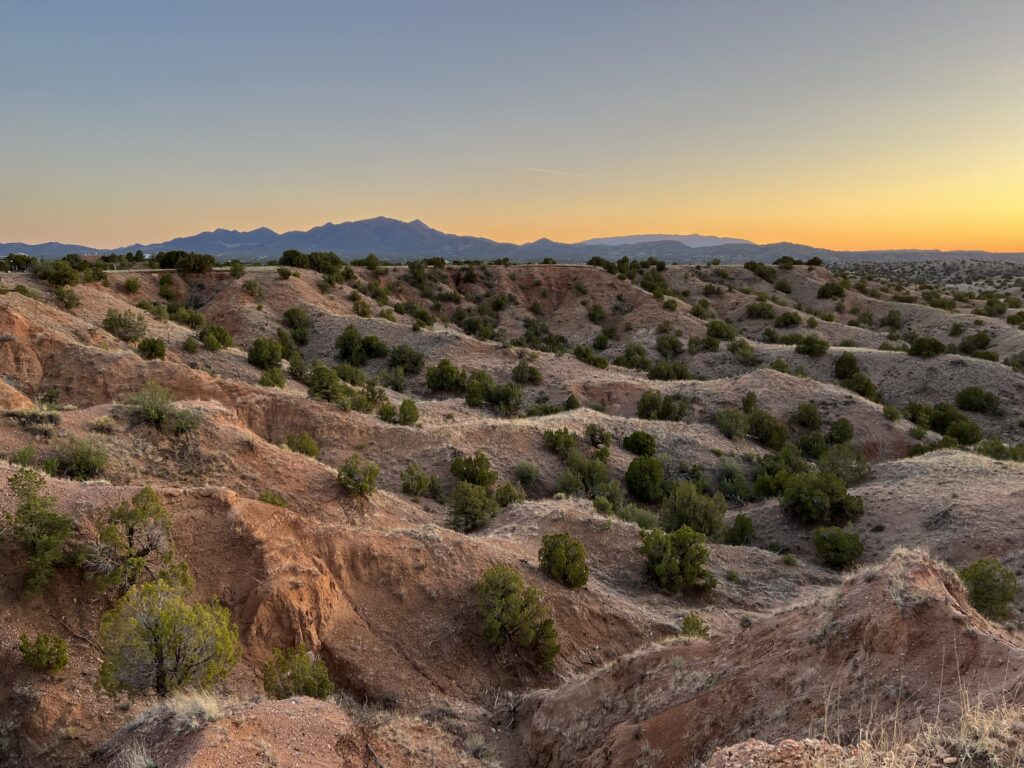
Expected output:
(845, 124)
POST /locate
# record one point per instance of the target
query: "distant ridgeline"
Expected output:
(401, 241)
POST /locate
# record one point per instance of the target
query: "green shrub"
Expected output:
(807, 416)
(693, 626)
(812, 444)
(513, 616)
(47, 653)
(677, 560)
(475, 469)
(862, 384)
(406, 358)
(964, 431)
(640, 443)
(845, 461)
(836, 547)
(597, 435)
(731, 422)
(133, 541)
(768, 430)
(787, 320)
(417, 482)
(812, 346)
(470, 507)
(272, 377)
(131, 285)
(831, 290)
(78, 458)
(585, 354)
(215, 337)
(924, 346)
(357, 477)
(977, 400)
(445, 377)
(66, 297)
(841, 431)
(891, 412)
(273, 497)
(564, 559)
(265, 354)
(559, 441)
(298, 323)
(190, 345)
(39, 529)
(645, 479)
(153, 639)
(686, 506)
(991, 587)
(846, 366)
(741, 532)
(296, 672)
(817, 497)
(653, 405)
(152, 349)
(303, 442)
(732, 481)
(127, 326)
(524, 373)
(527, 474)
(408, 413)
(507, 493)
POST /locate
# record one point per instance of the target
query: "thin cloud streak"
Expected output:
(551, 172)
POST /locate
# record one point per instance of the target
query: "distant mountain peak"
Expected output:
(693, 241)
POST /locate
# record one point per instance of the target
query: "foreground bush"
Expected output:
(641, 443)
(265, 354)
(78, 458)
(687, 506)
(564, 559)
(47, 653)
(417, 482)
(677, 560)
(127, 325)
(470, 507)
(304, 443)
(153, 639)
(977, 400)
(991, 587)
(741, 532)
(357, 477)
(153, 405)
(836, 547)
(152, 349)
(39, 529)
(134, 540)
(296, 672)
(475, 469)
(819, 497)
(645, 479)
(731, 422)
(513, 616)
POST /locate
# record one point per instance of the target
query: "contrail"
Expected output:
(556, 173)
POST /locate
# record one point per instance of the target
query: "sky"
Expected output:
(867, 124)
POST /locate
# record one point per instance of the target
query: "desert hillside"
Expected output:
(625, 513)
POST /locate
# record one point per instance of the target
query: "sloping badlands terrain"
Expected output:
(618, 514)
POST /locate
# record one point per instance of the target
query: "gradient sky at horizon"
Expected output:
(868, 124)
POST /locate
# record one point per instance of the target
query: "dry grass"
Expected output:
(186, 711)
(134, 756)
(983, 736)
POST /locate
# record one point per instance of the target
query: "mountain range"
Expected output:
(404, 240)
